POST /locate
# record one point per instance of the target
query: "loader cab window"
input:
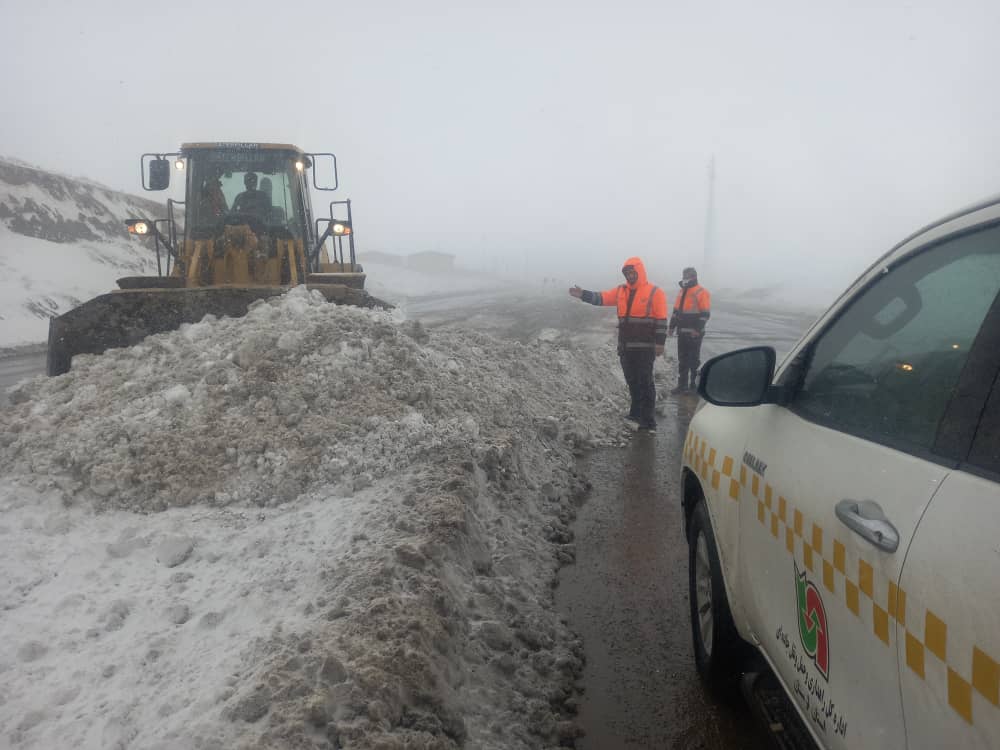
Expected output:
(266, 191)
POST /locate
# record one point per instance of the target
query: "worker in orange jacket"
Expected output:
(692, 309)
(642, 334)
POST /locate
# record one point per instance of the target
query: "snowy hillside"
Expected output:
(62, 241)
(312, 527)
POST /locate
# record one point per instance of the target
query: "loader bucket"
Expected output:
(127, 316)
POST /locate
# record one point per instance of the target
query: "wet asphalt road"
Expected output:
(626, 596)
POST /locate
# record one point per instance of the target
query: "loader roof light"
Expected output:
(341, 228)
(300, 165)
(179, 164)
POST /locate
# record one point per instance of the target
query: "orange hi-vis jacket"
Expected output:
(642, 310)
(692, 309)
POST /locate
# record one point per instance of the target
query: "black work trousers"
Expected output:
(637, 364)
(688, 356)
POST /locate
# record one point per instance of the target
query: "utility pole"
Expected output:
(709, 259)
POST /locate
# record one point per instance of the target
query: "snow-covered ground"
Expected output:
(312, 527)
(62, 241)
(39, 278)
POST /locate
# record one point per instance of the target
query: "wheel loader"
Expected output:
(244, 231)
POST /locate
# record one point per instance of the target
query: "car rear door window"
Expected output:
(886, 369)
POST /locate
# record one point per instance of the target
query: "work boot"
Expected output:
(693, 382)
(681, 383)
(633, 412)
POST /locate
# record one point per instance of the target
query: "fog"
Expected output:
(547, 138)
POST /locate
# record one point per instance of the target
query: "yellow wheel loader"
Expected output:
(244, 231)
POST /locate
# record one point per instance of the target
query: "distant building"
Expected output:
(387, 259)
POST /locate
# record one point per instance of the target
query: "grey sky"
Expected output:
(560, 135)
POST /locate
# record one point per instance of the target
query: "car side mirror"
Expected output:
(739, 378)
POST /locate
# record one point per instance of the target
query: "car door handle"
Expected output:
(866, 518)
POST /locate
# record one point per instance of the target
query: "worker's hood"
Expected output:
(640, 269)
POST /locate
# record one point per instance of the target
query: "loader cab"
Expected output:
(261, 188)
(246, 217)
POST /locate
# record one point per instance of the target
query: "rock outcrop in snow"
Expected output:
(54, 207)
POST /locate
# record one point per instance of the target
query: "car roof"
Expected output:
(967, 211)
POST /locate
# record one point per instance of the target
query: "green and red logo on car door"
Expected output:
(812, 623)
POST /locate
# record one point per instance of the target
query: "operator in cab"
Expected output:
(252, 201)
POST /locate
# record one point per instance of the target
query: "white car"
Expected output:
(843, 509)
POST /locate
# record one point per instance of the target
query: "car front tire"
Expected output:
(717, 645)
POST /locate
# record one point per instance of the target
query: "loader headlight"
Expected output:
(137, 226)
(341, 228)
(300, 165)
(179, 164)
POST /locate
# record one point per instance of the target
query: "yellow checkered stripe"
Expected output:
(852, 581)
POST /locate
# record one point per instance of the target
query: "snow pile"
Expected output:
(360, 525)
(299, 393)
